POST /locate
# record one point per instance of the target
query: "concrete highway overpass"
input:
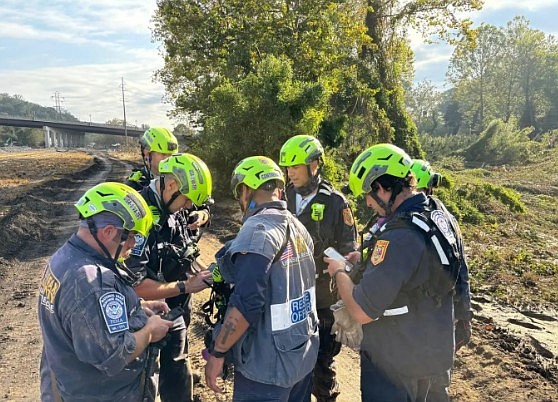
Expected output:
(62, 134)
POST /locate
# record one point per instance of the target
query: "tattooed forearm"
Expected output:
(229, 327)
(234, 326)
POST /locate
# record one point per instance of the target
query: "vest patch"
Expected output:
(348, 217)
(113, 308)
(379, 252)
(301, 307)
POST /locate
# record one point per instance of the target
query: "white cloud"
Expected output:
(93, 90)
(79, 46)
(530, 5)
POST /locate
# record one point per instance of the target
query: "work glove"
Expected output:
(345, 328)
(462, 333)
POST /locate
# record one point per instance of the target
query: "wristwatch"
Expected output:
(215, 353)
(218, 355)
(181, 287)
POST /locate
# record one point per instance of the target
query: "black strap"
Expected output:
(285, 243)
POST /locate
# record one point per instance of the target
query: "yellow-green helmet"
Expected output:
(192, 174)
(158, 139)
(255, 171)
(300, 150)
(121, 200)
(426, 178)
(374, 162)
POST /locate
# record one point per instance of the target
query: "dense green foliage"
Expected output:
(355, 51)
(256, 115)
(511, 74)
(501, 143)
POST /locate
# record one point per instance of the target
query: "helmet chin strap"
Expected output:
(166, 206)
(250, 202)
(313, 183)
(147, 164)
(386, 206)
(123, 238)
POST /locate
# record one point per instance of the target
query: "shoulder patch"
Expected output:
(379, 252)
(113, 309)
(441, 221)
(348, 217)
(48, 289)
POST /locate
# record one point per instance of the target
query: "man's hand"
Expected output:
(213, 371)
(158, 327)
(333, 265)
(197, 219)
(154, 307)
(198, 282)
(353, 257)
(462, 333)
(346, 329)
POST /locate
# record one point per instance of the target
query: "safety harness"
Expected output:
(442, 235)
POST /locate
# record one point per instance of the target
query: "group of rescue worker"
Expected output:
(115, 300)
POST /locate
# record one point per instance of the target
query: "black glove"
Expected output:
(462, 333)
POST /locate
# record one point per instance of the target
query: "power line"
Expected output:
(57, 102)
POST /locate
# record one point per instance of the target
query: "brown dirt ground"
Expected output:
(37, 190)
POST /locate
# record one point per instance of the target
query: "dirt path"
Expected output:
(511, 356)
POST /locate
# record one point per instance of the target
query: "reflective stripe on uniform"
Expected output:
(396, 311)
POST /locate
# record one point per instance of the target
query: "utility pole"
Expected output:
(124, 109)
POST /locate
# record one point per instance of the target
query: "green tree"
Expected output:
(530, 50)
(256, 115)
(387, 23)
(423, 101)
(510, 74)
(356, 50)
(207, 42)
(473, 71)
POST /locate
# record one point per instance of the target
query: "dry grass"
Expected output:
(20, 168)
(24, 169)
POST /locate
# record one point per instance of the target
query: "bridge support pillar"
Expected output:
(58, 138)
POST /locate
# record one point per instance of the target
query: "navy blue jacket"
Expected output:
(418, 342)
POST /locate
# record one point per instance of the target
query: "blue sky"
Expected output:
(82, 49)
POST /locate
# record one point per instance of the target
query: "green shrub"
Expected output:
(438, 148)
(502, 143)
(507, 196)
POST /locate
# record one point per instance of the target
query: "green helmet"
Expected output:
(255, 171)
(192, 175)
(161, 140)
(374, 162)
(300, 150)
(121, 200)
(426, 178)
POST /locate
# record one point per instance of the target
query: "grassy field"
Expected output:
(513, 244)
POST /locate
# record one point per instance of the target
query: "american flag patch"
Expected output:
(288, 252)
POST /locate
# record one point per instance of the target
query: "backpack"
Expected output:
(442, 234)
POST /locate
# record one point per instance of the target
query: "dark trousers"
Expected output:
(324, 384)
(378, 384)
(175, 373)
(436, 389)
(246, 390)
